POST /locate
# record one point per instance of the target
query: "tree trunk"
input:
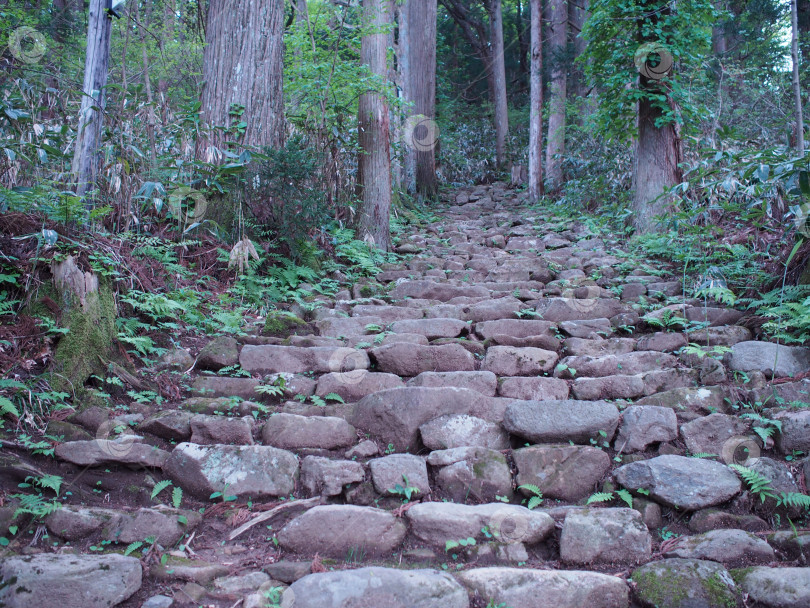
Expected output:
(243, 68)
(86, 159)
(578, 14)
(536, 103)
(498, 80)
(797, 89)
(524, 43)
(556, 119)
(418, 52)
(374, 164)
(150, 116)
(658, 153)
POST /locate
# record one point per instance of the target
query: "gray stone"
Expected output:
(628, 364)
(517, 328)
(395, 415)
(684, 583)
(356, 385)
(776, 587)
(89, 581)
(590, 328)
(376, 588)
(484, 382)
(525, 588)
(126, 449)
(566, 472)
(609, 387)
(731, 547)
(533, 389)
(644, 425)
(335, 530)
(662, 341)
(580, 347)
(438, 522)
(726, 335)
(388, 471)
(712, 434)
(777, 361)
(458, 430)
(512, 361)
(218, 353)
(715, 519)
(432, 328)
(554, 421)
(326, 477)
(473, 473)
(299, 359)
(594, 536)
(220, 386)
(242, 583)
(158, 601)
(364, 449)
(703, 399)
(211, 430)
(173, 425)
(572, 309)
(287, 571)
(294, 432)
(677, 481)
(795, 433)
(412, 359)
(255, 472)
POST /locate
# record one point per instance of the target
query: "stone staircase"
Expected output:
(507, 357)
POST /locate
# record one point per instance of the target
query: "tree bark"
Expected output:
(499, 80)
(536, 103)
(797, 89)
(86, 158)
(657, 156)
(418, 52)
(243, 65)
(558, 28)
(577, 15)
(374, 164)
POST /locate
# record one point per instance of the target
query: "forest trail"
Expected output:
(508, 358)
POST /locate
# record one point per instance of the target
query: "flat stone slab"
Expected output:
(776, 587)
(86, 581)
(678, 481)
(334, 530)
(594, 536)
(731, 547)
(683, 583)
(524, 588)
(376, 588)
(127, 449)
(300, 359)
(556, 421)
(254, 471)
(438, 522)
(778, 361)
(294, 432)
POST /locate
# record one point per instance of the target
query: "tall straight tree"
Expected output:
(558, 41)
(499, 79)
(374, 166)
(797, 89)
(243, 67)
(490, 51)
(631, 50)
(417, 39)
(536, 103)
(86, 158)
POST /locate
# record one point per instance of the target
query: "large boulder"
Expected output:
(86, 581)
(604, 536)
(524, 588)
(254, 471)
(567, 472)
(395, 415)
(294, 432)
(555, 421)
(776, 587)
(685, 483)
(771, 359)
(376, 588)
(337, 530)
(684, 583)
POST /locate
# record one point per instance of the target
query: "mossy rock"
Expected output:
(282, 323)
(685, 583)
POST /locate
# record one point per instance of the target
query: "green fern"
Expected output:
(600, 497)
(133, 547)
(703, 455)
(536, 500)
(793, 499)
(177, 497)
(159, 487)
(7, 407)
(334, 397)
(626, 497)
(758, 484)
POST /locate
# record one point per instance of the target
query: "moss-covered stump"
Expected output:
(281, 323)
(87, 311)
(685, 583)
